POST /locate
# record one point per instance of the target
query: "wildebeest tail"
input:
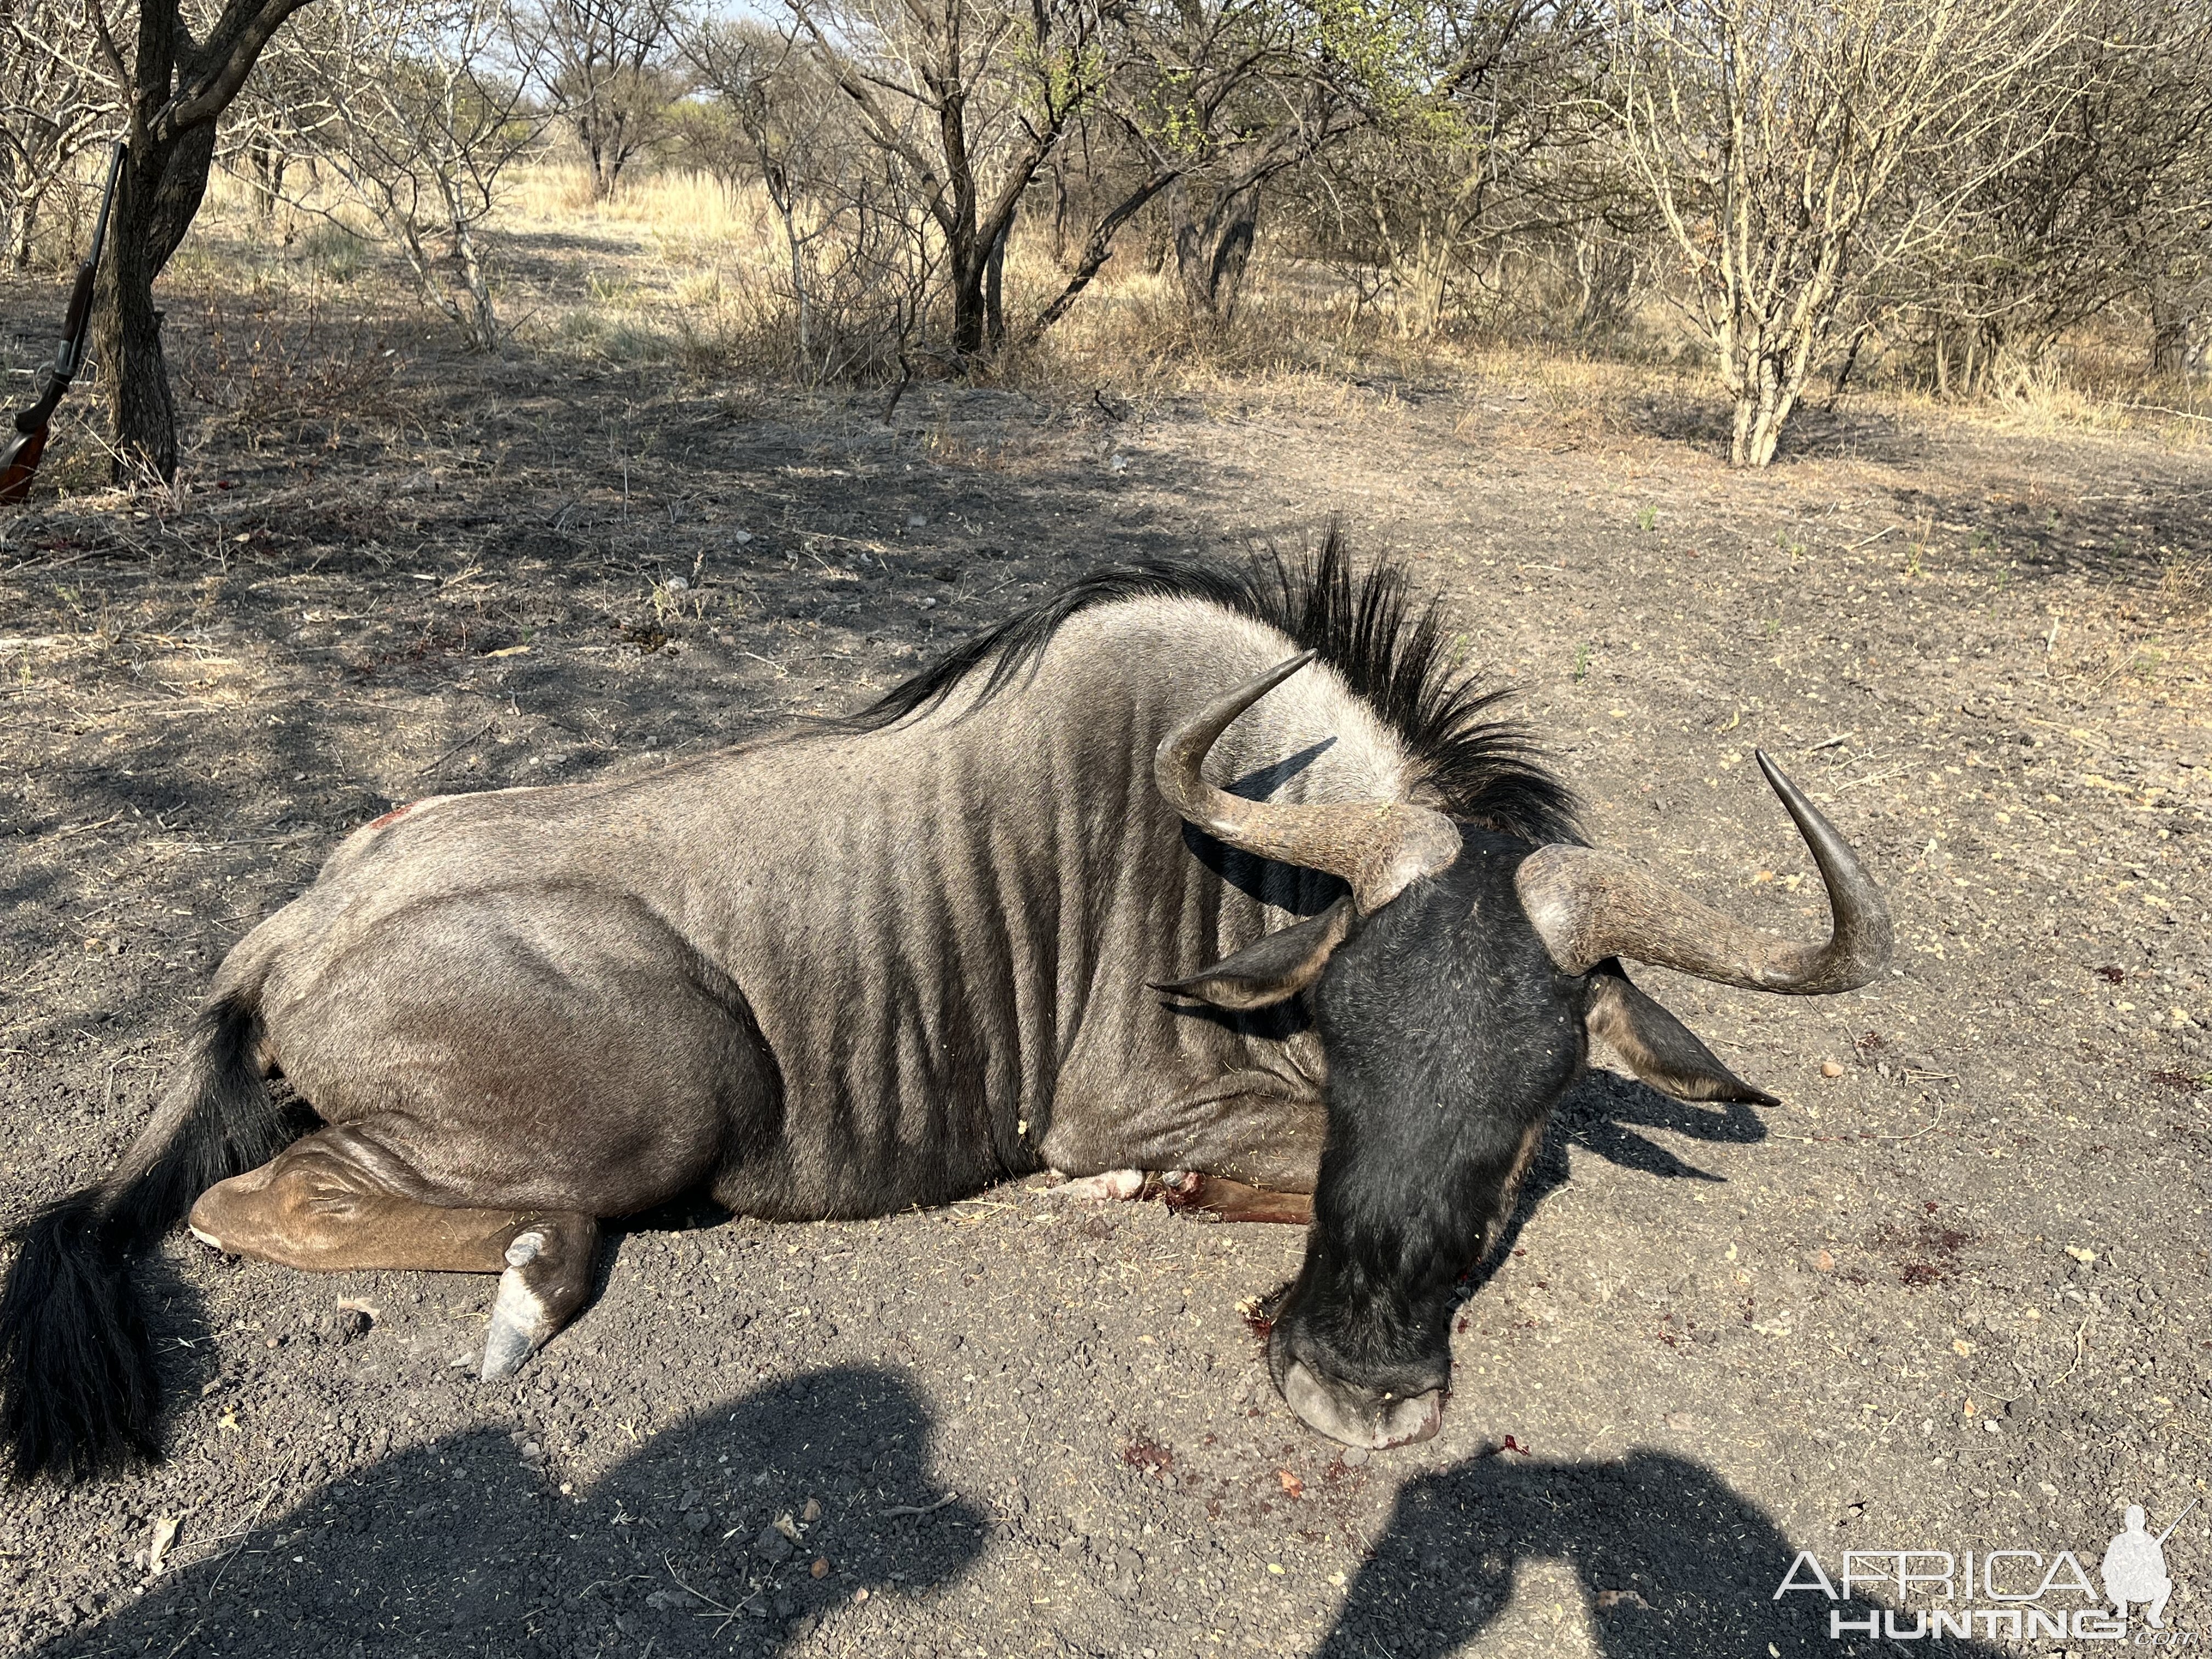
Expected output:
(78, 1386)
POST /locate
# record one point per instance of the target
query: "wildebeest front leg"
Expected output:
(1233, 1200)
(320, 1207)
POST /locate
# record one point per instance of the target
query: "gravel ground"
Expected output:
(1953, 1295)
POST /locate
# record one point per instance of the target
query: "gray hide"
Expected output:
(944, 930)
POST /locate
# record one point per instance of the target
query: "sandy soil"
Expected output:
(1953, 1296)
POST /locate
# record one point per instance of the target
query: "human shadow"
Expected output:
(1672, 1564)
(468, 1546)
(1602, 1115)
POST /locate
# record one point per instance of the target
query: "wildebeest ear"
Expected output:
(1659, 1048)
(1275, 970)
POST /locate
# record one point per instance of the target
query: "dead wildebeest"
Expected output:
(1225, 875)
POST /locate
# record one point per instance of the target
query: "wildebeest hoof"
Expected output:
(519, 1319)
(1114, 1184)
(548, 1274)
(1361, 1417)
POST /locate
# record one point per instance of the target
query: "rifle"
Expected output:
(19, 462)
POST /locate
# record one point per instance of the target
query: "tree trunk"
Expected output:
(22, 221)
(777, 182)
(483, 323)
(1213, 248)
(966, 263)
(2177, 347)
(995, 273)
(1096, 251)
(155, 197)
(267, 163)
(1060, 208)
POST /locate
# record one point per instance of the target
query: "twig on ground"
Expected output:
(918, 1509)
(455, 748)
(246, 1534)
(1872, 777)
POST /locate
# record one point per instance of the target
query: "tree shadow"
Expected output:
(467, 1544)
(1672, 1564)
(1601, 1114)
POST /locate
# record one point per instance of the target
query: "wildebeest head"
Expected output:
(1452, 990)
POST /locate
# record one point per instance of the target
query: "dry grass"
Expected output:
(678, 273)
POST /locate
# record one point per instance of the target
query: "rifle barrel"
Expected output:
(78, 328)
(2178, 1520)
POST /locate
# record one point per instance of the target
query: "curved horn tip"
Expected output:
(1282, 670)
(1791, 796)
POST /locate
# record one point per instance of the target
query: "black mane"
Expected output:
(1398, 658)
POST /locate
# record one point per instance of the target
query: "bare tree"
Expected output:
(1224, 97)
(54, 105)
(782, 111)
(174, 83)
(604, 65)
(1796, 147)
(268, 129)
(1495, 148)
(418, 114)
(969, 98)
(2115, 202)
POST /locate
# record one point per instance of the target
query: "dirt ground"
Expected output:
(1952, 1297)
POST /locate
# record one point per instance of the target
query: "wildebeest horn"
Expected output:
(1587, 905)
(1378, 846)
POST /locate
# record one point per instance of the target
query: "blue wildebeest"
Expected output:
(1227, 875)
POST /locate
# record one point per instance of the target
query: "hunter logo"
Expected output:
(2135, 1568)
(2029, 1594)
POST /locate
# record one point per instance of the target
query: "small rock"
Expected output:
(1613, 1598)
(353, 1324)
(1355, 1455)
(813, 1512)
(1826, 1261)
(915, 520)
(1830, 1068)
(677, 584)
(862, 1594)
(929, 604)
(165, 1533)
(820, 1569)
(698, 1519)
(772, 1546)
(741, 537)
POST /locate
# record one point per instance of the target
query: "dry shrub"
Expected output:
(268, 365)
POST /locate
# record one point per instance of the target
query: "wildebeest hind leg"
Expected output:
(317, 1206)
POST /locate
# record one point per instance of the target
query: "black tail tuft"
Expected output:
(74, 1358)
(78, 1387)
